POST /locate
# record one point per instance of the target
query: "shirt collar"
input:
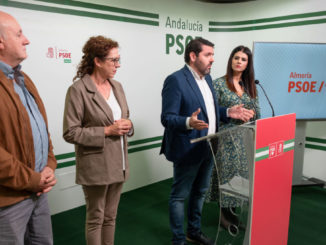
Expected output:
(195, 74)
(8, 70)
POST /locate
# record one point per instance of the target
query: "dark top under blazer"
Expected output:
(181, 97)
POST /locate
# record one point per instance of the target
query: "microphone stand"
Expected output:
(269, 102)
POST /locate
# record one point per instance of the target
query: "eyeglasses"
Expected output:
(114, 60)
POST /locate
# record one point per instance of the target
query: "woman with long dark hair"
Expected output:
(236, 87)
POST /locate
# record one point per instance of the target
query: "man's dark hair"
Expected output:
(195, 46)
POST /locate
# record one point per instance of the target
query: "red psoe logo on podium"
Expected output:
(276, 149)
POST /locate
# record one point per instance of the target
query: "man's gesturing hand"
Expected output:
(195, 123)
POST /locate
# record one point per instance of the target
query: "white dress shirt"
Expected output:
(208, 99)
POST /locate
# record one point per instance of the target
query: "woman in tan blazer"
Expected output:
(96, 121)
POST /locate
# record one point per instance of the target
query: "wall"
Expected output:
(315, 152)
(146, 62)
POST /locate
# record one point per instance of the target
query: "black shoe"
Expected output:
(199, 238)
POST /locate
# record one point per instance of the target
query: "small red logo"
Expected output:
(50, 53)
(60, 54)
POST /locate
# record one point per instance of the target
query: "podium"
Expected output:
(256, 185)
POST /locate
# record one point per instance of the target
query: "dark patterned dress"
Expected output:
(231, 155)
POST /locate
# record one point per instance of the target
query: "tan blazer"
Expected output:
(98, 158)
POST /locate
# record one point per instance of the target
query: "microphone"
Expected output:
(253, 103)
(257, 82)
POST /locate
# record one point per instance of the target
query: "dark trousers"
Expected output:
(190, 180)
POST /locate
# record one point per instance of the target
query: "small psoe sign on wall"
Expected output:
(60, 54)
